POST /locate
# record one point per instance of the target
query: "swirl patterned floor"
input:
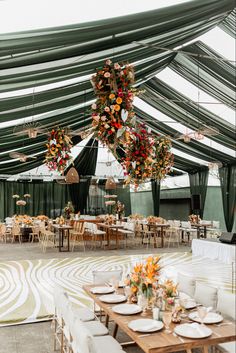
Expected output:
(26, 286)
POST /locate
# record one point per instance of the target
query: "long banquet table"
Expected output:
(214, 250)
(162, 342)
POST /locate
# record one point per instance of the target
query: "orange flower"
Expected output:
(116, 107)
(112, 96)
(119, 100)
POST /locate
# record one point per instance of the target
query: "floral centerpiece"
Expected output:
(109, 219)
(58, 150)
(144, 277)
(193, 218)
(119, 209)
(113, 110)
(136, 216)
(164, 158)
(168, 292)
(69, 209)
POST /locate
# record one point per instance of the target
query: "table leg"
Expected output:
(205, 349)
(115, 330)
(117, 240)
(205, 232)
(155, 239)
(108, 238)
(107, 320)
(68, 240)
(198, 232)
(162, 237)
(59, 234)
(189, 350)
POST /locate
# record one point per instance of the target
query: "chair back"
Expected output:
(186, 284)
(100, 277)
(176, 223)
(226, 304)
(205, 294)
(3, 229)
(185, 224)
(216, 224)
(15, 230)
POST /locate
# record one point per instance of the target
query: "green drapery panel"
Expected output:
(174, 104)
(198, 185)
(228, 189)
(229, 24)
(174, 24)
(156, 196)
(215, 77)
(85, 164)
(47, 198)
(193, 148)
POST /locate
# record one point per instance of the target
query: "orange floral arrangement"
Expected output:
(145, 276)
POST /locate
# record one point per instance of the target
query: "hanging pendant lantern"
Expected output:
(72, 176)
(110, 184)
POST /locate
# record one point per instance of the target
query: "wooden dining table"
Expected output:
(160, 341)
(200, 226)
(108, 228)
(158, 229)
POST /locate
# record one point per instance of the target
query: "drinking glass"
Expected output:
(202, 312)
(167, 316)
(115, 283)
(128, 293)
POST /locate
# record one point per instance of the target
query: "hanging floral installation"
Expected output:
(113, 110)
(114, 122)
(58, 153)
(138, 159)
(163, 158)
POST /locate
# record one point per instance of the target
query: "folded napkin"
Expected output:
(147, 327)
(198, 328)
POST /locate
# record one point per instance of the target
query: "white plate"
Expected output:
(102, 290)
(127, 309)
(145, 325)
(112, 298)
(211, 318)
(190, 304)
(193, 330)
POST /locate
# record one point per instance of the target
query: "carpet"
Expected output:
(26, 286)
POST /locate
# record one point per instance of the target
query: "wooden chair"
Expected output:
(77, 235)
(34, 234)
(3, 233)
(16, 234)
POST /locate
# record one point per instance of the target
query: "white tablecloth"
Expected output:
(214, 250)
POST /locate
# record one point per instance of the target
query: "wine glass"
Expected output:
(202, 312)
(115, 283)
(167, 316)
(128, 292)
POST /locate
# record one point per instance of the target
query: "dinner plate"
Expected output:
(145, 325)
(112, 298)
(127, 309)
(190, 304)
(102, 290)
(193, 330)
(211, 318)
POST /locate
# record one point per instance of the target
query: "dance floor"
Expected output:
(26, 286)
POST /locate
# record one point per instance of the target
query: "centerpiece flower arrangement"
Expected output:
(119, 208)
(113, 110)
(69, 209)
(136, 217)
(109, 219)
(58, 153)
(193, 218)
(168, 292)
(144, 277)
